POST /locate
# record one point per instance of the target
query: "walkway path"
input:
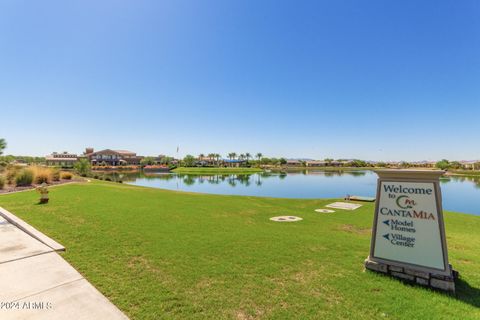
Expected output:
(36, 283)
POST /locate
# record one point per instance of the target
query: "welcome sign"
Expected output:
(408, 229)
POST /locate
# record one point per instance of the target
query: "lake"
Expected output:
(461, 194)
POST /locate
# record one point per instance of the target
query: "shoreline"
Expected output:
(216, 170)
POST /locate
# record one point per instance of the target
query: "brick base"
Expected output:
(441, 282)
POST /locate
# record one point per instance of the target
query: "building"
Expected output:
(422, 164)
(470, 165)
(112, 157)
(64, 159)
(323, 163)
(316, 163)
(294, 163)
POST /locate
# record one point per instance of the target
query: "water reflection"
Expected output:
(472, 179)
(460, 193)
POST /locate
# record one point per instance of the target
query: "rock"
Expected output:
(375, 266)
(422, 281)
(403, 276)
(442, 284)
(417, 273)
(396, 269)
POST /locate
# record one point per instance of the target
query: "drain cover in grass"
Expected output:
(324, 210)
(286, 219)
(344, 205)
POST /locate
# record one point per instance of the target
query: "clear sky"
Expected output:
(376, 80)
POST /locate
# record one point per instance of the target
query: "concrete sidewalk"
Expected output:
(36, 283)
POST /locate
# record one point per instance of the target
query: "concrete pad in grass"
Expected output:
(343, 205)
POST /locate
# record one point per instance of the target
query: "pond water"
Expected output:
(461, 194)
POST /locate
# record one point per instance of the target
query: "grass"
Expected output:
(161, 254)
(286, 168)
(216, 170)
(474, 173)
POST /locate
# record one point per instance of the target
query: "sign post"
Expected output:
(408, 234)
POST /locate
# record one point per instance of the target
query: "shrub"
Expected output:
(41, 174)
(3, 165)
(67, 175)
(11, 174)
(2, 182)
(83, 167)
(24, 178)
(56, 175)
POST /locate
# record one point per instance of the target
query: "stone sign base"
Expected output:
(446, 283)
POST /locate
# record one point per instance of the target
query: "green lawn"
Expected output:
(168, 255)
(215, 170)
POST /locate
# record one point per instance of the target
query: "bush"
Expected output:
(2, 182)
(24, 178)
(41, 174)
(56, 175)
(83, 167)
(3, 165)
(12, 172)
(67, 176)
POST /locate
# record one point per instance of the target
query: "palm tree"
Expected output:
(217, 157)
(248, 156)
(3, 145)
(201, 156)
(259, 156)
(211, 156)
(232, 155)
(241, 157)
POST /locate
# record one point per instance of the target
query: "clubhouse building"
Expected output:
(105, 157)
(63, 159)
(112, 157)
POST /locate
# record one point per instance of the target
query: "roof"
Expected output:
(104, 151)
(124, 151)
(61, 159)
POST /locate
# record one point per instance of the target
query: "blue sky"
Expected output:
(379, 80)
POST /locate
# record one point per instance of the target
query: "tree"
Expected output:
(82, 167)
(189, 161)
(455, 165)
(259, 156)
(165, 160)
(404, 164)
(442, 164)
(3, 145)
(241, 157)
(283, 161)
(201, 156)
(232, 155)
(211, 156)
(248, 156)
(147, 161)
(358, 163)
(217, 157)
(476, 166)
(266, 160)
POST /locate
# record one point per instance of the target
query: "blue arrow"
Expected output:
(387, 222)
(387, 236)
